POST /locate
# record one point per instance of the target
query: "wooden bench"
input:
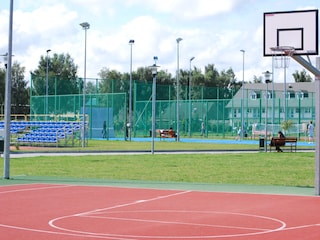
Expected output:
(284, 142)
(167, 133)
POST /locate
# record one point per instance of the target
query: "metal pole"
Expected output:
(190, 92)
(178, 89)
(317, 108)
(154, 88)
(131, 42)
(7, 109)
(266, 121)
(85, 26)
(47, 84)
(153, 111)
(273, 99)
(285, 91)
(242, 96)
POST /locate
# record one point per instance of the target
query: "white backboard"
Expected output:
(297, 29)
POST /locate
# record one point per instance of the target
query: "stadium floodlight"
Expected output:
(47, 83)
(178, 88)
(85, 26)
(190, 87)
(131, 42)
(267, 78)
(154, 71)
(242, 96)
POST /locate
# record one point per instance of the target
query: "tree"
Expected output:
(62, 76)
(62, 80)
(111, 81)
(257, 79)
(2, 85)
(19, 91)
(301, 76)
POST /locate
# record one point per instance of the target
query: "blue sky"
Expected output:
(213, 32)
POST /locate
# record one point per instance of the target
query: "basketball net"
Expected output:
(281, 56)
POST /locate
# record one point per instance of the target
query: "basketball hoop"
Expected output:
(285, 50)
(281, 55)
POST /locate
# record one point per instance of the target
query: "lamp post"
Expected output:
(242, 96)
(154, 68)
(7, 109)
(131, 42)
(178, 88)
(85, 26)
(190, 105)
(267, 77)
(47, 84)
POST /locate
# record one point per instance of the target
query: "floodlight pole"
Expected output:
(267, 76)
(242, 96)
(190, 92)
(154, 88)
(131, 42)
(47, 84)
(7, 109)
(85, 26)
(178, 89)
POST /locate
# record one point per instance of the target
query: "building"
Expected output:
(273, 103)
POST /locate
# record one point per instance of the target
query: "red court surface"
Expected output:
(56, 211)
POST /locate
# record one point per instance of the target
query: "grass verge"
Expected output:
(260, 168)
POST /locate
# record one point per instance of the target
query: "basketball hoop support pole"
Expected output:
(307, 65)
(316, 72)
(317, 108)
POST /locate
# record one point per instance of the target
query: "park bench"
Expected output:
(284, 142)
(167, 133)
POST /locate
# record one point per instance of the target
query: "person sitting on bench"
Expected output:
(276, 144)
(172, 133)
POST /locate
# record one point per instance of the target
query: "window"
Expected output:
(302, 94)
(256, 113)
(269, 95)
(291, 95)
(255, 95)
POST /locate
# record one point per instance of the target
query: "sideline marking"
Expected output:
(36, 188)
(60, 233)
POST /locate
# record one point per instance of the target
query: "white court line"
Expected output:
(132, 203)
(102, 210)
(51, 222)
(179, 223)
(35, 188)
(61, 233)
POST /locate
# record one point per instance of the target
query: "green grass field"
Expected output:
(256, 168)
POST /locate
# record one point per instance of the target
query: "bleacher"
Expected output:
(45, 133)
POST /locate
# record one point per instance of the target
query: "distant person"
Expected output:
(239, 134)
(203, 129)
(104, 129)
(310, 132)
